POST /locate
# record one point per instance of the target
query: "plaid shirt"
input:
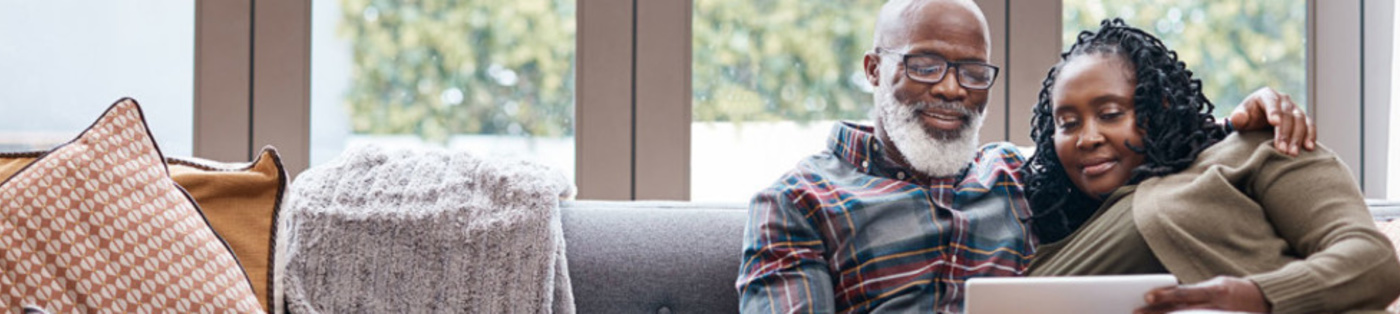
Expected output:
(850, 230)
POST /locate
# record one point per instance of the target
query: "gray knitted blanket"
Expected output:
(383, 231)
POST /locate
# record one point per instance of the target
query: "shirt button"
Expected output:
(865, 164)
(955, 259)
(900, 175)
(875, 147)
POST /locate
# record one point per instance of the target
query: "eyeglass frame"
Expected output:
(957, 65)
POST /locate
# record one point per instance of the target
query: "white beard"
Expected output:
(931, 151)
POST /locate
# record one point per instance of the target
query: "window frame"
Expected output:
(1377, 45)
(221, 77)
(253, 80)
(633, 93)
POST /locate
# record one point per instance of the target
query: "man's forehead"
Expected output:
(913, 25)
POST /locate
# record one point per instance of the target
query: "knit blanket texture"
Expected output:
(427, 230)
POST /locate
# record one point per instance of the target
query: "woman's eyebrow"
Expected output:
(1106, 98)
(1062, 110)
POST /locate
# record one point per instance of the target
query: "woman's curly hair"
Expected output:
(1170, 110)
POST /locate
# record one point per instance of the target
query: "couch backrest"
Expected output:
(677, 257)
(653, 257)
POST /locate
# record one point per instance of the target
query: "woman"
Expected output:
(1132, 175)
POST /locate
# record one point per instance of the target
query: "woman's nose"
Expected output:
(1091, 136)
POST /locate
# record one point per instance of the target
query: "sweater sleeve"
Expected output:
(782, 268)
(1314, 204)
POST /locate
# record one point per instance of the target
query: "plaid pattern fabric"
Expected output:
(849, 230)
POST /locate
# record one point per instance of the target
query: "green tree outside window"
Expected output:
(1233, 46)
(436, 68)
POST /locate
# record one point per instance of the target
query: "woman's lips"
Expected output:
(1098, 167)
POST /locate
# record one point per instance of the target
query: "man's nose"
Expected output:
(948, 89)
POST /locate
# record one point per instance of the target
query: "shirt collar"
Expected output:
(857, 145)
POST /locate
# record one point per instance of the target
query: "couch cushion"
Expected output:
(98, 225)
(653, 257)
(240, 200)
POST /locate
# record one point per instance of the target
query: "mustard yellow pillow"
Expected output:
(98, 225)
(240, 200)
(12, 162)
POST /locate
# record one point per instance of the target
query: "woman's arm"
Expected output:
(1311, 202)
(1314, 203)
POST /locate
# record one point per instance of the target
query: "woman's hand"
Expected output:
(1269, 108)
(1219, 293)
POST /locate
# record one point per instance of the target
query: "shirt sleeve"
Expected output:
(1316, 206)
(783, 269)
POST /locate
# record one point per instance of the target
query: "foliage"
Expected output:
(1233, 46)
(781, 59)
(441, 67)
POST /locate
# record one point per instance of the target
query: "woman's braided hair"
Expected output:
(1170, 109)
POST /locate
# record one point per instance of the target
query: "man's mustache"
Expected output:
(918, 107)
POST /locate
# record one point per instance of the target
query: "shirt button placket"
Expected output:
(955, 269)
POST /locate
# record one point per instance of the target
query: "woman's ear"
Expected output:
(872, 68)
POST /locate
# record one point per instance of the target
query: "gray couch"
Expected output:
(673, 257)
(653, 257)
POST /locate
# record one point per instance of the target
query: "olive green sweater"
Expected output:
(1296, 226)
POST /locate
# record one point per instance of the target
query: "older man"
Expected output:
(895, 217)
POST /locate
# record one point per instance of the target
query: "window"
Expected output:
(63, 62)
(491, 77)
(1232, 46)
(1393, 177)
(770, 79)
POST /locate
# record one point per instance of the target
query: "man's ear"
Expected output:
(872, 68)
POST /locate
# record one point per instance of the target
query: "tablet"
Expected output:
(1050, 295)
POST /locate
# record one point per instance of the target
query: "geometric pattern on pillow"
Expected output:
(98, 225)
(240, 201)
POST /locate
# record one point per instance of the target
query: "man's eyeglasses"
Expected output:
(929, 68)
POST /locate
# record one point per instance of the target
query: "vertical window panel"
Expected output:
(769, 79)
(1393, 150)
(64, 62)
(492, 77)
(1233, 46)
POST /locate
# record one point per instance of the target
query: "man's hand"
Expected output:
(1267, 107)
(1220, 293)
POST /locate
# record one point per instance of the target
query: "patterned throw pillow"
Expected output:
(98, 225)
(240, 200)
